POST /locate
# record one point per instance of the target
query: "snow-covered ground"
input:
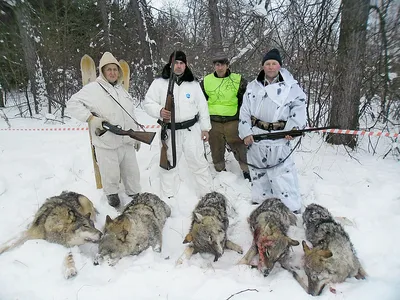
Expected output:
(35, 165)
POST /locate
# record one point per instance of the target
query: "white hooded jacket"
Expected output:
(189, 101)
(92, 98)
(281, 101)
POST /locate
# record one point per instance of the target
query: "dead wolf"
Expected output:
(138, 227)
(269, 224)
(66, 219)
(333, 258)
(207, 232)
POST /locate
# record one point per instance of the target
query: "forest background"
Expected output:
(345, 54)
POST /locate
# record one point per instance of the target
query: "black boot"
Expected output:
(246, 175)
(113, 200)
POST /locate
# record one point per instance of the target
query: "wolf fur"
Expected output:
(269, 224)
(333, 258)
(138, 227)
(207, 232)
(66, 219)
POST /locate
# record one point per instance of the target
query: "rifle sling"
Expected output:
(180, 125)
(137, 123)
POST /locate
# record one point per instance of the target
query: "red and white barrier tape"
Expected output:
(337, 131)
(361, 132)
(63, 128)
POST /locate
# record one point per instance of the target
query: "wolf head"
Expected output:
(272, 246)
(316, 213)
(81, 229)
(207, 235)
(114, 244)
(317, 268)
(80, 202)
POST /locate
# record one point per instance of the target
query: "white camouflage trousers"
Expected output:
(277, 182)
(116, 165)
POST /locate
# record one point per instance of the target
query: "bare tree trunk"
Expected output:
(103, 4)
(215, 25)
(22, 15)
(144, 39)
(2, 97)
(349, 70)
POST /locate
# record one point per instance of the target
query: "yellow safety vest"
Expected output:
(222, 94)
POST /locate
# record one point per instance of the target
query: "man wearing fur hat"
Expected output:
(192, 124)
(224, 92)
(273, 101)
(102, 100)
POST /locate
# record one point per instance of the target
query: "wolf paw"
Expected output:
(70, 272)
(157, 248)
(69, 266)
(179, 261)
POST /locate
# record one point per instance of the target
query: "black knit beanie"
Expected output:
(272, 54)
(180, 55)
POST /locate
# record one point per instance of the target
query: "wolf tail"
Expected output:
(14, 242)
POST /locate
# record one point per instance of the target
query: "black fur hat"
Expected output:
(180, 55)
(272, 54)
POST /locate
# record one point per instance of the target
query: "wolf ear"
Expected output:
(198, 217)
(325, 253)
(188, 238)
(71, 216)
(108, 220)
(293, 242)
(306, 249)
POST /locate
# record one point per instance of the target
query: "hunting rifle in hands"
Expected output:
(141, 136)
(165, 123)
(281, 134)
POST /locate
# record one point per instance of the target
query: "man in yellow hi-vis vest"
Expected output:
(224, 91)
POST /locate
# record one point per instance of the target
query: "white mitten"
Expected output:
(96, 122)
(137, 145)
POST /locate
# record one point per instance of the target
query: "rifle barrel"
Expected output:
(282, 134)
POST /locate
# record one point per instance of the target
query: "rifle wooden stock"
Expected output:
(281, 134)
(141, 136)
(164, 163)
(170, 106)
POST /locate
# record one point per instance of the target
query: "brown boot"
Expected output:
(113, 200)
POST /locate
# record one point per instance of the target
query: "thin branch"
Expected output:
(247, 290)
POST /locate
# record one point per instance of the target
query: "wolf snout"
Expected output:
(217, 256)
(265, 271)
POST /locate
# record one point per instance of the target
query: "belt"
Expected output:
(222, 119)
(181, 125)
(280, 125)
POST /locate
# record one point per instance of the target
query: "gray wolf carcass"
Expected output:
(67, 220)
(332, 258)
(269, 224)
(208, 231)
(138, 227)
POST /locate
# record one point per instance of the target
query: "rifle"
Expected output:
(281, 134)
(170, 106)
(141, 136)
